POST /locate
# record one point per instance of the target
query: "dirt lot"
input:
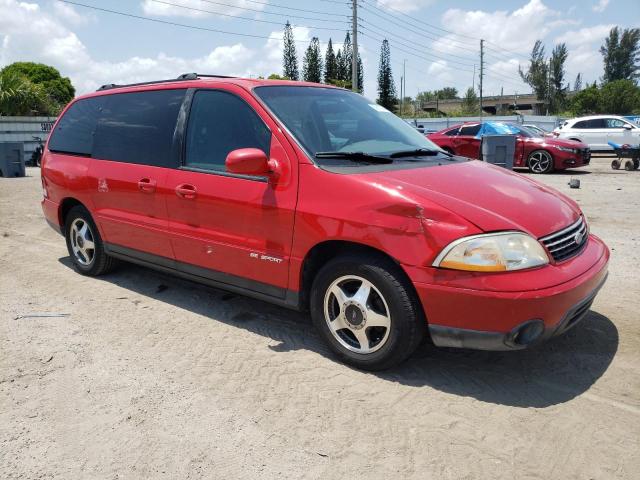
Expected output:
(146, 376)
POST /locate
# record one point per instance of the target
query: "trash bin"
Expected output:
(499, 150)
(12, 159)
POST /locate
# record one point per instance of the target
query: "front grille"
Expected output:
(567, 242)
(585, 154)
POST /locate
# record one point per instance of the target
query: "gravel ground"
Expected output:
(141, 375)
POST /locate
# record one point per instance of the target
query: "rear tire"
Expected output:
(84, 243)
(615, 164)
(367, 311)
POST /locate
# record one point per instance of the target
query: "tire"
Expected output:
(615, 164)
(80, 230)
(629, 166)
(540, 161)
(391, 304)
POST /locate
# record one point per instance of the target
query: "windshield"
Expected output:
(332, 120)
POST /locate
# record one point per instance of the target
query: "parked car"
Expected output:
(313, 198)
(596, 131)
(538, 154)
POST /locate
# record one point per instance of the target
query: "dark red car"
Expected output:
(316, 199)
(540, 154)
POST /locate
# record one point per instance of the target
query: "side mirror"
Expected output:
(627, 127)
(248, 161)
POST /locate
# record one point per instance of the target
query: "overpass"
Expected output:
(493, 105)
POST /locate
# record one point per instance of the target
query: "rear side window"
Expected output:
(470, 130)
(588, 124)
(219, 123)
(138, 127)
(74, 132)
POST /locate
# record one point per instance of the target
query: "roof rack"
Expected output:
(180, 78)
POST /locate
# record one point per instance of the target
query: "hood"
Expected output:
(490, 197)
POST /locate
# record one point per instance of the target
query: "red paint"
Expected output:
(220, 222)
(469, 146)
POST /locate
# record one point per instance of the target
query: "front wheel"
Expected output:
(367, 311)
(540, 161)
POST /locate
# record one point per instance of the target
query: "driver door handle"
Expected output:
(186, 191)
(147, 185)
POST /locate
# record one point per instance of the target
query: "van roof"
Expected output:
(190, 80)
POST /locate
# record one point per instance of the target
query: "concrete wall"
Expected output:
(23, 129)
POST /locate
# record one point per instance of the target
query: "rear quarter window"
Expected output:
(74, 132)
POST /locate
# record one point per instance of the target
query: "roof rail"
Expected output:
(180, 78)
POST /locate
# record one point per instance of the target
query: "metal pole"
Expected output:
(481, 73)
(354, 59)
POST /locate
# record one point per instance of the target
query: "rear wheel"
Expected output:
(367, 312)
(84, 243)
(615, 164)
(540, 161)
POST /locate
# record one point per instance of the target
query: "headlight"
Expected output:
(493, 252)
(566, 149)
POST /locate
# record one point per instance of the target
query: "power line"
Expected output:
(277, 5)
(175, 24)
(280, 14)
(273, 22)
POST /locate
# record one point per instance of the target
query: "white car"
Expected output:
(597, 130)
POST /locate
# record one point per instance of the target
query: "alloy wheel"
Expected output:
(82, 242)
(540, 161)
(357, 314)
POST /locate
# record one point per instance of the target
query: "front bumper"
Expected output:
(508, 319)
(443, 336)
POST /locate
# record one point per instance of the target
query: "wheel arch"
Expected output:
(325, 251)
(65, 206)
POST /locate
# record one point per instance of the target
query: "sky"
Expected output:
(438, 42)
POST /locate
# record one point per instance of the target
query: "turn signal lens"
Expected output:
(494, 252)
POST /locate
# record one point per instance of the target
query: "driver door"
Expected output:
(232, 228)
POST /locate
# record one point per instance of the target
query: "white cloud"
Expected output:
(600, 6)
(196, 8)
(404, 5)
(69, 14)
(29, 32)
(584, 55)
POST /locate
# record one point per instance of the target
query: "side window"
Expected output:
(581, 125)
(615, 123)
(452, 133)
(138, 127)
(220, 122)
(74, 132)
(470, 130)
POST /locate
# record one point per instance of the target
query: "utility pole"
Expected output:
(354, 34)
(481, 72)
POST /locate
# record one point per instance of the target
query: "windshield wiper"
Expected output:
(355, 156)
(418, 152)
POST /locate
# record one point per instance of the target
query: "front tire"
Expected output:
(367, 311)
(540, 161)
(85, 244)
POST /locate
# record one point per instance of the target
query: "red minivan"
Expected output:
(314, 198)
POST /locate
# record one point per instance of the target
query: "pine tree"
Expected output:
(621, 54)
(312, 63)
(289, 56)
(558, 90)
(577, 85)
(347, 54)
(470, 104)
(537, 72)
(330, 64)
(339, 65)
(386, 87)
(360, 75)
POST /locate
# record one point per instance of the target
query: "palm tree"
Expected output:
(19, 96)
